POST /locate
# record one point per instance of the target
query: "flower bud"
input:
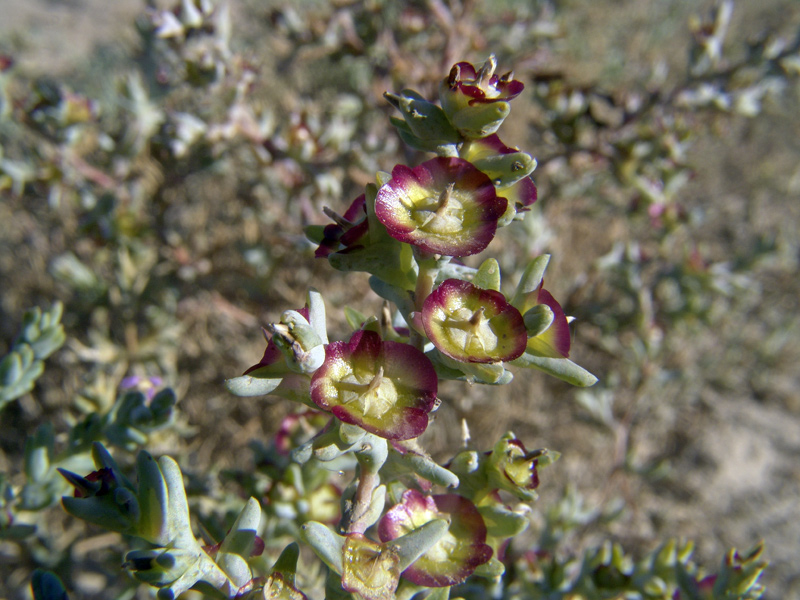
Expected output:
(476, 101)
(424, 119)
(512, 468)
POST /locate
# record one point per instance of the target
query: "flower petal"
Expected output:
(453, 558)
(387, 388)
(471, 324)
(445, 206)
(555, 341)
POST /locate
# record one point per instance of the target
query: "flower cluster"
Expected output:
(451, 322)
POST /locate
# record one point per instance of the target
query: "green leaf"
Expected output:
(502, 522)
(248, 386)
(488, 275)
(11, 369)
(563, 368)
(354, 317)
(414, 544)
(153, 497)
(180, 529)
(490, 570)
(314, 233)
(426, 468)
(537, 319)
(328, 545)
(287, 561)
(18, 531)
(506, 169)
(531, 279)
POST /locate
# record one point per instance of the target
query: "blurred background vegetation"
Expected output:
(156, 173)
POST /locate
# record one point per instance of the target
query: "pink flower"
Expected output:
(482, 86)
(477, 101)
(387, 388)
(554, 342)
(454, 557)
(444, 206)
(470, 324)
(347, 231)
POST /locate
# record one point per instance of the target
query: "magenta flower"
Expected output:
(347, 231)
(513, 469)
(387, 388)
(470, 324)
(453, 558)
(444, 206)
(272, 354)
(482, 86)
(554, 342)
(476, 101)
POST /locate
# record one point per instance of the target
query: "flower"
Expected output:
(554, 342)
(387, 388)
(470, 324)
(293, 346)
(147, 385)
(476, 101)
(347, 231)
(508, 168)
(371, 570)
(454, 557)
(444, 206)
(483, 86)
(513, 469)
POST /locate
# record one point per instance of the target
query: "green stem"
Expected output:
(428, 269)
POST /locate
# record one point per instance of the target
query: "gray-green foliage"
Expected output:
(41, 335)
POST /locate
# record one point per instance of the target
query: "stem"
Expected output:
(371, 457)
(367, 482)
(428, 269)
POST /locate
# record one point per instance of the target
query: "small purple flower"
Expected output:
(147, 385)
(387, 388)
(347, 231)
(453, 558)
(444, 206)
(470, 324)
